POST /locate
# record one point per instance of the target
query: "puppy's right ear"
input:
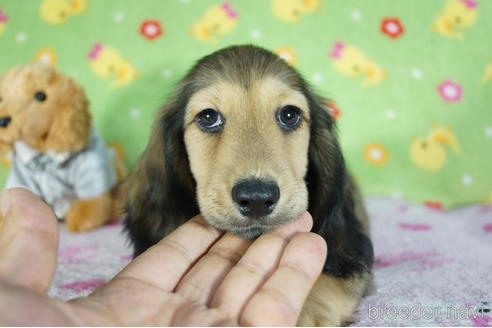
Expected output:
(161, 190)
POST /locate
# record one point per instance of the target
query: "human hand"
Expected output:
(195, 276)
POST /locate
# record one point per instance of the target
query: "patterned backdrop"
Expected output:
(410, 81)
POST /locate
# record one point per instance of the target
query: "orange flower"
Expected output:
(335, 111)
(151, 29)
(375, 154)
(46, 56)
(392, 27)
(287, 54)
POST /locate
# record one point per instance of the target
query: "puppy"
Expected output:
(245, 142)
(56, 153)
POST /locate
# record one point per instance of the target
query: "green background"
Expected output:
(124, 114)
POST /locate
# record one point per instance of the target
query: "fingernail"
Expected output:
(4, 202)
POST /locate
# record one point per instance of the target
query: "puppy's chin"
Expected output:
(251, 233)
(250, 228)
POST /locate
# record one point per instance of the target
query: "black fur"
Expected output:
(171, 200)
(331, 200)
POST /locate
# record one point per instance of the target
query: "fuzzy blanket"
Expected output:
(432, 268)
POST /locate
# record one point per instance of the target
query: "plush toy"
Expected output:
(56, 152)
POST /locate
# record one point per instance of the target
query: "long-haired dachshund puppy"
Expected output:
(245, 142)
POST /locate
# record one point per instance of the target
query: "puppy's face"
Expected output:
(247, 146)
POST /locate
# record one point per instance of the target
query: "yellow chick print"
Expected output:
(488, 72)
(350, 61)
(217, 21)
(287, 54)
(57, 12)
(428, 153)
(457, 16)
(292, 11)
(487, 199)
(107, 62)
(3, 21)
(46, 56)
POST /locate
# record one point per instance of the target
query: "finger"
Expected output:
(255, 267)
(28, 240)
(201, 282)
(166, 262)
(280, 299)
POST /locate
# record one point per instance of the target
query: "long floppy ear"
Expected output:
(161, 189)
(332, 198)
(70, 129)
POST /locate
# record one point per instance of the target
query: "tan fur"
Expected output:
(250, 131)
(61, 123)
(332, 301)
(87, 214)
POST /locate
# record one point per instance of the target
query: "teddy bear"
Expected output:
(55, 150)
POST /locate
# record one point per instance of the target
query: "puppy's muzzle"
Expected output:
(5, 121)
(255, 198)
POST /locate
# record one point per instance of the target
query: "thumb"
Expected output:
(28, 240)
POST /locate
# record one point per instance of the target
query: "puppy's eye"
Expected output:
(210, 120)
(289, 117)
(40, 96)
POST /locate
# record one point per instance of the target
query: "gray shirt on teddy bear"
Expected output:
(61, 178)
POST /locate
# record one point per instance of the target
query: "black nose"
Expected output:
(255, 198)
(4, 121)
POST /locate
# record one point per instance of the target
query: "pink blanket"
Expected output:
(432, 268)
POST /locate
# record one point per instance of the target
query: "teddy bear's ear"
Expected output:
(71, 127)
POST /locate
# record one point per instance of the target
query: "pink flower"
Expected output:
(392, 27)
(151, 29)
(450, 91)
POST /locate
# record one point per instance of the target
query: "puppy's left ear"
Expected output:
(71, 126)
(332, 197)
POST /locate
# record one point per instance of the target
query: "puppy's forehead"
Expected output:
(261, 97)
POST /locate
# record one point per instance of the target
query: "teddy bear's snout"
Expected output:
(5, 121)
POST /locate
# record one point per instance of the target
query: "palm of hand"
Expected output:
(210, 278)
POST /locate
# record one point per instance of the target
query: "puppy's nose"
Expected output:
(4, 121)
(255, 198)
